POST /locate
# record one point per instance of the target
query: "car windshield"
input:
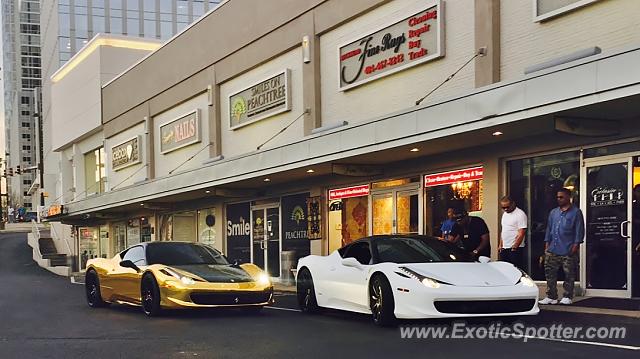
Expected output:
(418, 250)
(183, 254)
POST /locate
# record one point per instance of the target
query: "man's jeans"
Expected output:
(553, 262)
(511, 256)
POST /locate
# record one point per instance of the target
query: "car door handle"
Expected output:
(333, 269)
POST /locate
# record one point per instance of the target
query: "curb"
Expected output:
(587, 310)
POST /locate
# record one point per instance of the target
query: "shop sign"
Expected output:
(443, 178)
(264, 99)
(181, 132)
(294, 221)
(54, 210)
(607, 196)
(238, 232)
(125, 154)
(411, 41)
(355, 191)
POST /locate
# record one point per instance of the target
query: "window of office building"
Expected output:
(533, 183)
(95, 174)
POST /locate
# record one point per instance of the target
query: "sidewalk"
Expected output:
(593, 305)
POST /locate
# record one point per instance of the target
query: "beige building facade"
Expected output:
(274, 130)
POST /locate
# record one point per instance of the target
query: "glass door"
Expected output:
(265, 239)
(395, 212)
(606, 253)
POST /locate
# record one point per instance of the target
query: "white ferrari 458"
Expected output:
(412, 277)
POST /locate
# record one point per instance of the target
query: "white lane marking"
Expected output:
(285, 309)
(610, 345)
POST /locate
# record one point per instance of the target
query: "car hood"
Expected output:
(493, 274)
(216, 273)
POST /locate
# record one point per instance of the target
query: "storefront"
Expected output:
(400, 206)
(603, 179)
(261, 230)
(189, 226)
(93, 242)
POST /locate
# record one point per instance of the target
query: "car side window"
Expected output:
(136, 255)
(360, 251)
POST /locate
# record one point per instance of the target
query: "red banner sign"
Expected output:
(355, 191)
(468, 174)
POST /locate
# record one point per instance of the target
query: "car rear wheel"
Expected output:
(150, 295)
(92, 290)
(381, 301)
(306, 292)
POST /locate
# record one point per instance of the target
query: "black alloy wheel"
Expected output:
(381, 301)
(306, 292)
(92, 290)
(150, 295)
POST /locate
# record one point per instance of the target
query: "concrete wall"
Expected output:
(128, 175)
(245, 139)
(76, 102)
(164, 163)
(400, 90)
(524, 42)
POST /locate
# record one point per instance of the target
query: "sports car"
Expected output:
(412, 277)
(166, 275)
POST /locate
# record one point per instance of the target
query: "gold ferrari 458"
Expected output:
(165, 275)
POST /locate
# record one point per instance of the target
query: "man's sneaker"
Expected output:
(548, 300)
(566, 301)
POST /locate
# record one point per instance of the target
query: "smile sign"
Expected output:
(411, 41)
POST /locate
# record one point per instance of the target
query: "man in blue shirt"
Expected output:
(565, 232)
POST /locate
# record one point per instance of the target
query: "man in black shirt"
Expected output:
(475, 233)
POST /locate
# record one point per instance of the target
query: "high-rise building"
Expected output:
(67, 25)
(22, 75)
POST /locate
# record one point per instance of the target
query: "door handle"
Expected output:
(332, 269)
(263, 244)
(622, 227)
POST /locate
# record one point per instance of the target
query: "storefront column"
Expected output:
(213, 93)
(491, 196)
(311, 75)
(487, 34)
(149, 146)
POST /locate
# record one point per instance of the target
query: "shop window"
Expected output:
(95, 174)
(458, 189)
(348, 215)
(88, 245)
(133, 232)
(206, 229)
(178, 227)
(120, 237)
(533, 184)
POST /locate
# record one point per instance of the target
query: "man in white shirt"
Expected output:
(514, 229)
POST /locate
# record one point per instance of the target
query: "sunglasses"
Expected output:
(506, 208)
(561, 197)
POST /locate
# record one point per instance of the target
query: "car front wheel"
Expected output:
(306, 292)
(150, 295)
(92, 290)
(381, 301)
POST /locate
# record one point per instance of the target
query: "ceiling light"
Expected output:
(310, 171)
(207, 191)
(267, 180)
(497, 133)
(415, 149)
(141, 204)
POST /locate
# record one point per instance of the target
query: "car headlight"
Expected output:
(526, 280)
(183, 279)
(428, 282)
(263, 279)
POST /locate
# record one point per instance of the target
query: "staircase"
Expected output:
(45, 252)
(49, 251)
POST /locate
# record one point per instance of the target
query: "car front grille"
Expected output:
(484, 306)
(231, 298)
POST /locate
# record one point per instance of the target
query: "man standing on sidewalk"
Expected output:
(565, 232)
(514, 228)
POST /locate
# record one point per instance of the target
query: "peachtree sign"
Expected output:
(264, 99)
(411, 41)
(125, 154)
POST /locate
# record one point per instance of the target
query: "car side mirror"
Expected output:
(351, 262)
(129, 264)
(484, 259)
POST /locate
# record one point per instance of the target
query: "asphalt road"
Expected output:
(45, 316)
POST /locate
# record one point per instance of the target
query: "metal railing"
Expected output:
(55, 235)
